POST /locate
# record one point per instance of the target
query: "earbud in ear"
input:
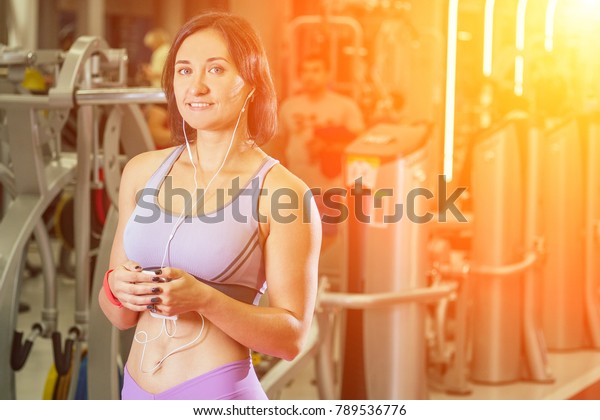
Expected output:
(247, 98)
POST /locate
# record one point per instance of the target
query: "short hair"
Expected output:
(249, 57)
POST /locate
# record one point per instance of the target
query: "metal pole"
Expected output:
(114, 96)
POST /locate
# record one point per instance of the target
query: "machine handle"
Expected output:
(112, 96)
(20, 351)
(62, 360)
(377, 300)
(506, 270)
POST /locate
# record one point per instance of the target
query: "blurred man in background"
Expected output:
(315, 127)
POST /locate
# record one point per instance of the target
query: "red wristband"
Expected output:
(109, 294)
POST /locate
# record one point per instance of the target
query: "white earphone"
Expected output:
(247, 98)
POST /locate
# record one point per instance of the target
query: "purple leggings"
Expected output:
(232, 381)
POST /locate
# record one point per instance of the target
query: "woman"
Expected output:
(212, 261)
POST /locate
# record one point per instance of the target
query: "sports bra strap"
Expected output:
(260, 176)
(265, 168)
(159, 175)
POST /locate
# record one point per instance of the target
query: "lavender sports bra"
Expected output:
(220, 248)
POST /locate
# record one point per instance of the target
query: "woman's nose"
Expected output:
(198, 87)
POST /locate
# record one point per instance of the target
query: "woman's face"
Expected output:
(208, 87)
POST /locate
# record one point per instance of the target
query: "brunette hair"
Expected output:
(249, 57)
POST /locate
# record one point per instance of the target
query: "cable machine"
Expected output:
(36, 172)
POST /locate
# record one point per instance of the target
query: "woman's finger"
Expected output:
(131, 266)
(134, 307)
(169, 273)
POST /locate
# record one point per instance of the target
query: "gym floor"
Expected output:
(577, 373)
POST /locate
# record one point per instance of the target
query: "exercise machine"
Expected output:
(87, 70)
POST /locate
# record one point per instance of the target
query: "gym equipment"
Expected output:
(20, 350)
(50, 384)
(393, 370)
(36, 183)
(497, 241)
(387, 271)
(563, 309)
(512, 247)
(40, 169)
(57, 385)
(537, 367)
(81, 392)
(592, 226)
(533, 253)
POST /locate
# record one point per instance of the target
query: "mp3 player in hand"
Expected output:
(151, 272)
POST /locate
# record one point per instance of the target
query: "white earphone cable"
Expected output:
(164, 329)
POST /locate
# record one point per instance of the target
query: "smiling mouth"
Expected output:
(199, 105)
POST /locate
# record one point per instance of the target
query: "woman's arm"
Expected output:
(291, 253)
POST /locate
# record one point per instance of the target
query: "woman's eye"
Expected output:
(216, 70)
(183, 71)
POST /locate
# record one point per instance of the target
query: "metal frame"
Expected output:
(329, 302)
(35, 181)
(36, 184)
(592, 226)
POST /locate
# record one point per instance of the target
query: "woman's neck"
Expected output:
(210, 149)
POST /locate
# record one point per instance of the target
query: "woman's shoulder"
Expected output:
(279, 177)
(287, 199)
(141, 167)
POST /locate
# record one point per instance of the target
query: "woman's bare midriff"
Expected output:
(212, 350)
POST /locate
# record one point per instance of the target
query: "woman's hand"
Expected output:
(135, 290)
(180, 292)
